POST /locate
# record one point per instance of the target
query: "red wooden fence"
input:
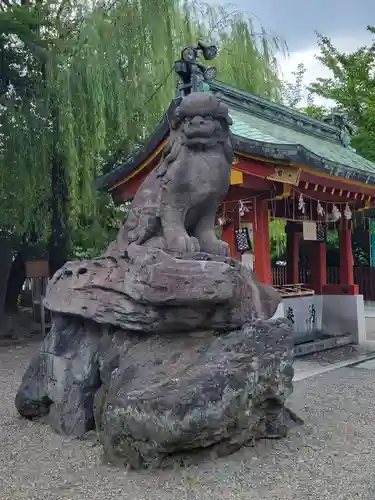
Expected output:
(363, 276)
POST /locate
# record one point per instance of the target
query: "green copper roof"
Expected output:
(263, 131)
(277, 132)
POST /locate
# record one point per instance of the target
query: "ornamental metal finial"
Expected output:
(193, 74)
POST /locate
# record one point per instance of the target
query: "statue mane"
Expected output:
(205, 107)
(175, 206)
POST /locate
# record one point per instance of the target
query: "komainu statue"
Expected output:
(176, 206)
(165, 345)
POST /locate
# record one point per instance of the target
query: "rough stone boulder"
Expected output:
(149, 290)
(172, 395)
(157, 398)
(165, 344)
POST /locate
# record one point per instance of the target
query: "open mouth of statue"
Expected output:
(199, 142)
(203, 131)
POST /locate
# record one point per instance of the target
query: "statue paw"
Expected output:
(223, 248)
(183, 243)
(216, 247)
(195, 244)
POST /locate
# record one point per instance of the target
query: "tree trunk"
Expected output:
(5, 270)
(59, 243)
(16, 280)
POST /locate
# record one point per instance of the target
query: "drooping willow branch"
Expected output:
(99, 67)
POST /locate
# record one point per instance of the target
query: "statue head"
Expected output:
(202, 121)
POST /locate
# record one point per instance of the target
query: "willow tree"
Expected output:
(101, 76)
(135, 55)
(28, 36)
(135, 44)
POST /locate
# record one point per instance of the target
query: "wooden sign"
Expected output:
(286, 175)
(37, 269)
(314, 231)
(236, 177)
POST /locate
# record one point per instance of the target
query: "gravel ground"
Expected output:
(331, 457)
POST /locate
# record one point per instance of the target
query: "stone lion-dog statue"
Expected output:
(175, 207)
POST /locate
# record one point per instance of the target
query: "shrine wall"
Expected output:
(306, 315)
(321, 316)
(344, 314)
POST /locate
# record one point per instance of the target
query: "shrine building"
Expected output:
(287, 166)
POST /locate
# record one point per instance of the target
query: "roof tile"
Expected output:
(253, 128)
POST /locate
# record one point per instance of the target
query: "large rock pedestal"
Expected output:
(181, 361)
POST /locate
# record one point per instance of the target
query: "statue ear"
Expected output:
(175, 120)
(172, 148)
(173, 124)
(168, 146)
(223, 113)
(228, 149)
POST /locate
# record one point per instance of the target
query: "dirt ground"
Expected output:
(332, 456)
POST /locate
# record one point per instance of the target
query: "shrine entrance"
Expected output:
(291, 167)
(323, 315)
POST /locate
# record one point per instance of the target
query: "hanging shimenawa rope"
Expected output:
(341, 203)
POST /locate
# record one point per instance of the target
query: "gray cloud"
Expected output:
(296, 20)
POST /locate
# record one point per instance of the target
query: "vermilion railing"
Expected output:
(364, 277)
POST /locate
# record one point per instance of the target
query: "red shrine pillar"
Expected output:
(318, 266)
(292, 248)
(262, 251)
(228, 235)
(346, 286)
(346, 255)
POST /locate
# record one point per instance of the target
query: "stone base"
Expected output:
(156, 398)
(150, 291)
(344, 314)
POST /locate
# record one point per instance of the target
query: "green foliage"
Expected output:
(352, 87)
(80, 81)
(247, 58)
(296, 96)
(332, 238)
(277, 239)
(91, 237)
(292, 92)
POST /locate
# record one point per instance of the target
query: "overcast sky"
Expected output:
(296, 21)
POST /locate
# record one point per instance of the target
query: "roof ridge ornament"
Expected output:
(193, 74)
(340, 121)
